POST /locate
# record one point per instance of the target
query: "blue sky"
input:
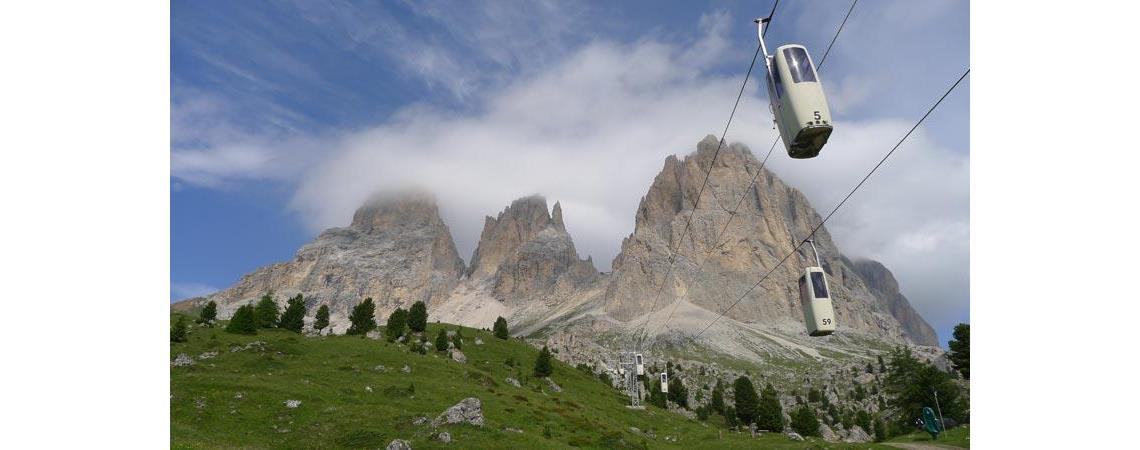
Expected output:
(285, 115)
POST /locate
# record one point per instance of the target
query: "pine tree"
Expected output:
(804, 421)
(322, 318)
(882, 366)
(397, 322)
(960, 349)
(209, 313)
(542, 365)
(243, 321)
(417, 317)
(266, 312)
(746, 400)
(178, 330)
(910, 385)
(677, 392)
(717, 403)
(863, 419)
(769, 412)
(814, 395)
(363, 318)
(441, 341)
(293, 319)
(501, 330)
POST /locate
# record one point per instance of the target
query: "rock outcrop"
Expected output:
(883, 284)
(396, 251)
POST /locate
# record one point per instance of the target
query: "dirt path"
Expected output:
(919, 446)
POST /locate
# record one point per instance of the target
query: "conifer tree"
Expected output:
(322, 318)
(501, 330)
(293, 319)
(266, 312)
(717, 402)
(769, 412)
(542, 366)
(209, 313)
(243, 321)
(960, 349)
(746, 400)
(458, 339)
(178, 330)
(804, 421)
(677, 392)
(397, 322)
(363, 318)
(418, 317)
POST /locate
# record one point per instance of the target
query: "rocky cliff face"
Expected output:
(712, 273)
(526, 253)
(883, 284)
(397, 251)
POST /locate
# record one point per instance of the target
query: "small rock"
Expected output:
(478, 341)
(374, 335)
(380, 368)
(420, 420)
(553, 386)
(795, 436)
(459, 357)
(182, 360)
(406, 369)
(368, 388)
(291, 404)
(399, 444)
(200, 403)
(826, 433)
(450, 333)
(635, 430)
(513, 382)
(239, 396)
(402, 339)
(469, 410)
(207, 355)
(444, 437)
(512, 430)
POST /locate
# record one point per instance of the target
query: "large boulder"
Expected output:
(469, 410)
(857, 435)
(826, 433)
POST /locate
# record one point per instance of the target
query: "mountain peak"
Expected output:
(396, 209)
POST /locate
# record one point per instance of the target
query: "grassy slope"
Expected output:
(957, 437)
(329, 376)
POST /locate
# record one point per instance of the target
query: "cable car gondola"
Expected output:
(664, 383)
(815, 298)
(640, 365)
(796, 98)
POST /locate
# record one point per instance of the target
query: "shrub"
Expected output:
(293, 319)
(441, 341)
(178, 330)
(417, 317)
(363, 317)
(243, 321)
(322, 318)
(397, 322)
(677, 392)
(746, 400)
(458, 338)
(209, 313)
(501, 330)
(880, 430)
(265, 314)
(717, 402)
(804, 421)
(542, 366)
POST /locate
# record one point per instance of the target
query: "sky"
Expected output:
(285, 116)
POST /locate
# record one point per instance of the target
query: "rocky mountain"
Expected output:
(397, 250)
(712, 272)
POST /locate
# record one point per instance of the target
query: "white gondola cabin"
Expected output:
(819, 315)
(796, 98)
(664, 383)
(640, 364)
